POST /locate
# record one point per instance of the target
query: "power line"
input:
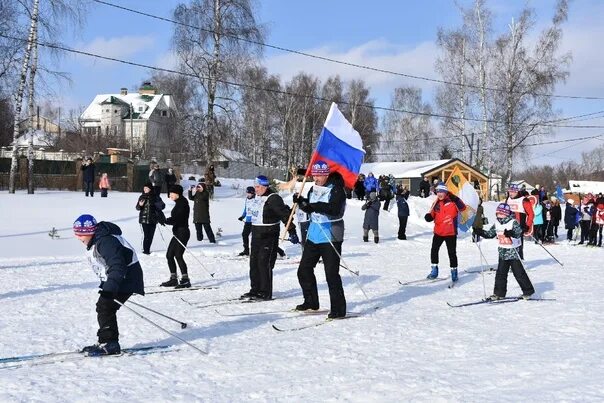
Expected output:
(331, 60)
(314, 97)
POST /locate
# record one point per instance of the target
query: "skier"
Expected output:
(115, 263)
(326, 204)
(586, 210)
(444, 214)
(570, 218)
(371, 219)
(523, 212)
(548, 225)
(478, 220)
(403, 213)
(538, 230)
(179, 220)
(150, 207)
(87, 169)
(201, 211)
(246, 217)
(266, 210)
(508, 233)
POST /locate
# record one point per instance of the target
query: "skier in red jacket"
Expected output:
(444, 214)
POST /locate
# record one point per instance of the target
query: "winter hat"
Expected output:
(570, 201)
(504, 209)
(441, 187)
(513, 188)
(261, 180)
(176, 189)
(250, 189)
(319, 168)
(148, 184)
(84, 225)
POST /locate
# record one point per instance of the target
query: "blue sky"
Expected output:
(394, 35)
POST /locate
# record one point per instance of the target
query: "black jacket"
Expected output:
(88, 172)
(179, 216)
(275, 210)
(116, 260)
(170, 179)
(201, 206)
(151, 211)
(425, 186)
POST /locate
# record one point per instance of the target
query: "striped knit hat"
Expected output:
(441, 187)
(319, 168)
(84, 225)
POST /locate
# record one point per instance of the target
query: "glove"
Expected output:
(479, 232)
(304, 205)
(296, 197)
(107, 294)
(524, 227)
(240, 218)
(293, 237)
(509, 233)
(428, 217)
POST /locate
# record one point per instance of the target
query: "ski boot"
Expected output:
(184, 283)
(307, 306)
(433, 273)
(376, 239)
(454, 277)
(173, 282)
(365, 239)
(244, 253)
(110, 348)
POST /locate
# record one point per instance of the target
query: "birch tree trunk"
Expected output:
(19, 98)
(30, 147)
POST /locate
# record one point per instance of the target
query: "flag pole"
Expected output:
(291, 214)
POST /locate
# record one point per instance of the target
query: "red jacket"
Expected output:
(445, 213)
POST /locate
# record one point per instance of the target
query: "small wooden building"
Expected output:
(411, 173)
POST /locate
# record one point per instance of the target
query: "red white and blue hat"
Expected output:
(441, 187)
(513, 187)
(319, 168)
(261, 180)
(504, 209)
(84, 225)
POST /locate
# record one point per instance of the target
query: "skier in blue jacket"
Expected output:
(114, 261)
(246, 217)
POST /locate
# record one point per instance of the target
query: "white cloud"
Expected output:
(118, 47)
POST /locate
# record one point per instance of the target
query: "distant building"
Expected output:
(585, 187)
(144, 120)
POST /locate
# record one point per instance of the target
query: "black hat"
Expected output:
(148, 184)
(176, 189)
(250, 189)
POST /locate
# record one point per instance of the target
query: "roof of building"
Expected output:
(41, 139)
(586, 186)
(230, 155)
(148, 103)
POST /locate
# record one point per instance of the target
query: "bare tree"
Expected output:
(358, 108)
(208, 44)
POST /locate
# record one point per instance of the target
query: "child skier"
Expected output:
(570, 218)
(371, 220)
(599, 221)
(115, 263)
(508, 233)
(246, 218)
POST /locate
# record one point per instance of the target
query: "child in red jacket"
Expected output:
(444, 214)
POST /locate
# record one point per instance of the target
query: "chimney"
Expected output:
(123, 91)
(147, 89)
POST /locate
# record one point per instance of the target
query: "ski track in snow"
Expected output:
(413, 348)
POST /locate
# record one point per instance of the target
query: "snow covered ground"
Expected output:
(413, 348)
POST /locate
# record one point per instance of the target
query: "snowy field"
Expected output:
(413, 348)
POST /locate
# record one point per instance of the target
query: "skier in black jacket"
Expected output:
(150, 207)
(266, 210)
(179, 220)
(115, 263)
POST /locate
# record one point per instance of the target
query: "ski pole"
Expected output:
(183, 325)
(195, 257)
(161, 328)
(548, 252)
(484, 287)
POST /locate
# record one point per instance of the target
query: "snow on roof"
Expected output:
(586, 186)
(411, 169)
(147, 102)
(41, 139)
(231, 155)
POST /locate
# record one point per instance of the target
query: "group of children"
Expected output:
(588, 216)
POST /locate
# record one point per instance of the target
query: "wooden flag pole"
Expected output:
(291, 214)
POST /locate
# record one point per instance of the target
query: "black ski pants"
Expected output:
(176, 250)
(402, 227)
(501, 277)
(262, 261)
(245, 236)
(303, 231)
(331, 262)
(584, 230)
(89, 188)
(451, 242)
(106, 309)
(148, 232)
(200, 227)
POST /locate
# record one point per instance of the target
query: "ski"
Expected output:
(50, 358)
(289, 311)
(489, 270)
(315, 324)
(499, 301)
(228, 301)
(193, 288)
(424, 281)
(452, 284)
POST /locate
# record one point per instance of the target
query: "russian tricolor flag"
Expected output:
(340, 146)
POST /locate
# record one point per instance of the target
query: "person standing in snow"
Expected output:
(523, 212)
(444, 214)
(104, 184)
(157, 179)
(87, 169)
(170, 178)
(267, 211)
(424, 187)
(403, 212)
(586, 210)
(326, 204)
(371, 184)
(179, 220)
(570, 218)
(599, 219)
(149, 206)
(478, 220)
(201, 211)
(508, 233)
(246, 217)
(115, 263)
(538, 230)
(371, 220)
(556, 215)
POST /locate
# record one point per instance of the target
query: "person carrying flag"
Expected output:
(444, 214)
(326, 204)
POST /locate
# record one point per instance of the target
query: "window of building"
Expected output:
(140, 108)
(164, 113)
